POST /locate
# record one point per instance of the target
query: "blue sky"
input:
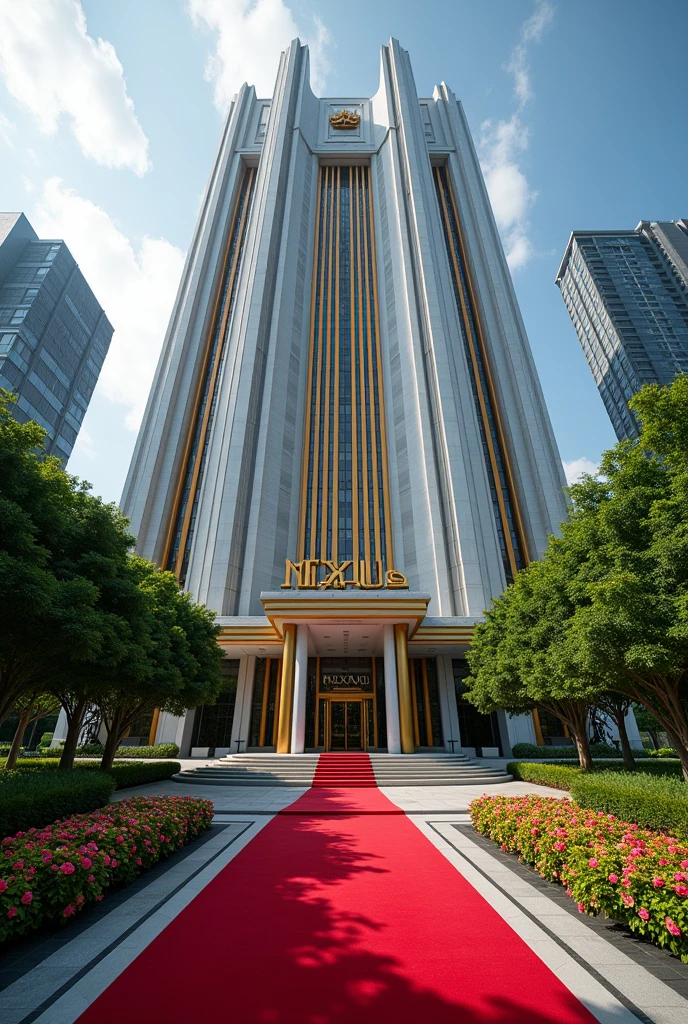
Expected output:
(110, 115)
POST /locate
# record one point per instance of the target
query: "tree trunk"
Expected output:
(580, 735)
(24, 717)
(74, 722)
(114, 735)
(628, 759)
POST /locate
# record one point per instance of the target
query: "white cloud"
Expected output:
(53, 67)
(7, 130)
(575, 468)
(250, 37)
(135, 288)
(502, 143)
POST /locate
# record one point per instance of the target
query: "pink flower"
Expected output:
(69, 910)
(91, 879)
(120, 839)
(592, 862)
(67, 868)
(613, 878)
(12, 912)
(113, 862)
(106, 861)
(27, 897)
(663, 862)
(627, 899)
(657, 882)
(55, 867)
(559, 846)
(3, 884)
(679, 877)
(18, 866)
(581, 908)
(645, 914)
(684, 863)
(682, 890)
(86, 862)
(672, 926)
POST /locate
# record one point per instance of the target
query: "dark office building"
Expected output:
(627, 295)
(54, 336)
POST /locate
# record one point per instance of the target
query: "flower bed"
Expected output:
(53, 873)
(633, 875)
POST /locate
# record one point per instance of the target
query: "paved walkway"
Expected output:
(56, 980)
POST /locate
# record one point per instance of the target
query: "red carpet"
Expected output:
(333, 920)
(350, 770)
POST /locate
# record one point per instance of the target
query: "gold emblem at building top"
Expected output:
(345, 120)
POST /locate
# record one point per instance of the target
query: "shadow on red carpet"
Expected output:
(333, 918)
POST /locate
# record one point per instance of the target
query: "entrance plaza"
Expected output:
(333, 904)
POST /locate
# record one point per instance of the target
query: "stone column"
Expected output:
(450, 717)
(242, 709)
(408, 744)
(298, 725)
(286, 690)
(391, 692)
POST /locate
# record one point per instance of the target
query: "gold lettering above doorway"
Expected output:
(314, 574)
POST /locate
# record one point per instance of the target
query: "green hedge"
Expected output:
(158, 750)
(124, 773)
(30, 799)
(558, 753)
(560, 775)
(663, 752)
(656, 803)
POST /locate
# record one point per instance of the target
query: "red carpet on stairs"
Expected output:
(333, 919)
(350, 770)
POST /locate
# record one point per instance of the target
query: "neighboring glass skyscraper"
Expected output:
(346, 452)
(54, 336)
(627, 295)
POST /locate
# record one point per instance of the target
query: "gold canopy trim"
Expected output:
(345, 120)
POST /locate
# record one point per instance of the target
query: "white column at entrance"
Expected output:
(450, 717)
(298, 720)
(391, 692)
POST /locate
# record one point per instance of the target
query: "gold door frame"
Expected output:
(347, 698)
(344, 695)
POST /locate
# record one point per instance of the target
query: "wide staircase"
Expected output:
(304, 770)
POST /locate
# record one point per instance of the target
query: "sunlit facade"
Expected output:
(346, 452)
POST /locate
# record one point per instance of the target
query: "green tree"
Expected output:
(31, 707)
(174, 659)
(630, 628)
(48, 616)
(520, 657)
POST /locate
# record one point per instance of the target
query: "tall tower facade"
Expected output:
(346, 451)
(54, 335)
(627, 296)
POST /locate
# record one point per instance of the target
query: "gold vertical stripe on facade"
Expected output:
(518, 519)
(426, 702)
(375, 440)
(303, 516)
(176, 503)
(374, 661)
(362, 366)
(278, 703)
(335, 454)
(476, 373)
(324, 553)
(213, 377)
(354, 389)
(320, 242)
(264, 705)
(538, 728)
(389, 548)
(153, 727)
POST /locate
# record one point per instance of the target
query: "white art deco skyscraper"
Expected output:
(346, 452)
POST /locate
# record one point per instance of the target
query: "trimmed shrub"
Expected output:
(159, 750)
(560, 775)
(633, 875)
(127, 774)
(30, 799)
(657, 803)
(123, 772)
(596, 750)
(52, 874)
(663, 752)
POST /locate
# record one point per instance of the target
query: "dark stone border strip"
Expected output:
(588, 968)
(126, 893)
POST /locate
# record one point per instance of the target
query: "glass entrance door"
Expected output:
(346, 729)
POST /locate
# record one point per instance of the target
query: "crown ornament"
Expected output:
(345, 120)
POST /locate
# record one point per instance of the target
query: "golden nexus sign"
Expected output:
(317, 574)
